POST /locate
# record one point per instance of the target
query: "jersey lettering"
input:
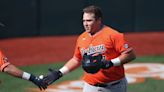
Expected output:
(93, 49)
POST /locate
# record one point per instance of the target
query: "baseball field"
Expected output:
(37, 54)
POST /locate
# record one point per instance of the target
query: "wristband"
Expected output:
(26, 76)
(64, 70)
(116, 61)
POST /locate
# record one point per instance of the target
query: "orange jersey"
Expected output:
(3, 61)
(110, 43)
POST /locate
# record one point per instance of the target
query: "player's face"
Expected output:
(90, 24)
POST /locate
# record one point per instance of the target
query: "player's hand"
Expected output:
(39, 82)
(106, 64)
(52, 76)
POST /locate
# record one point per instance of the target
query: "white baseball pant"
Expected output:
(115, 86)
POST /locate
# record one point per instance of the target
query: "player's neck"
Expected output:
(97, 30)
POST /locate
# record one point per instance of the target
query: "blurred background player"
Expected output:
(12, 70)
(101, 39)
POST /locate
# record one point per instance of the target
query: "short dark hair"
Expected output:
(93, 9)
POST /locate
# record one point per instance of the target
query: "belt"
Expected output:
(105, 85)
(100, 85)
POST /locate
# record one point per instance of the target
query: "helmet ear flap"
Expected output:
(99, 57)
(91, 63)
(85, 54)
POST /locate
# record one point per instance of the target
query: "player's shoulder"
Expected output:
(111, 31)
(82, 35)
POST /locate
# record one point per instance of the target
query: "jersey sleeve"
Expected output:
(120, 44)
(3, 62)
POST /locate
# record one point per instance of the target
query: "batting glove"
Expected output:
(52, 76)
(106, 64)
(37, 81)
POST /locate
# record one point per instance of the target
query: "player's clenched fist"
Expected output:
(105, 64)
(52, 76)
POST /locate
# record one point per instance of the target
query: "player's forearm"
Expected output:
(127, 56)
(16, 72)
(70, 66)
(12, 70)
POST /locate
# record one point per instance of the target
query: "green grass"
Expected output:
(150, 84)
(12, 84)
(150, 59)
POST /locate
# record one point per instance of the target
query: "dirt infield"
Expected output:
(36, 50)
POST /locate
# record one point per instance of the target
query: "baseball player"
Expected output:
(9, 68)
(101, 51)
